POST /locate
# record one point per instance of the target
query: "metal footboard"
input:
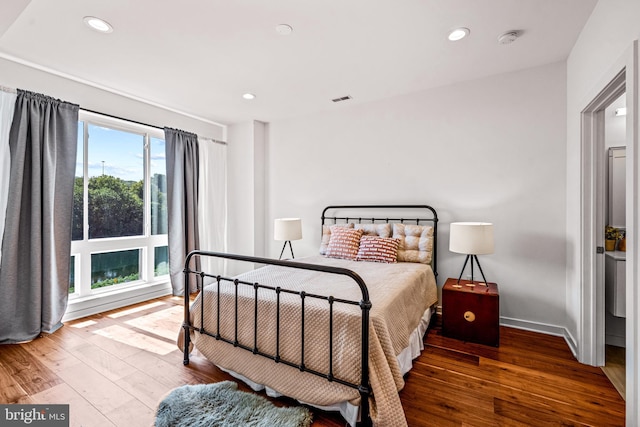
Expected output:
(365, 305)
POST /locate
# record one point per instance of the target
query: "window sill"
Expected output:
(105, 301)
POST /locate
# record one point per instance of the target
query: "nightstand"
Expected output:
(471, 313)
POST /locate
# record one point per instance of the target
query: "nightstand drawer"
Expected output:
(471, 313)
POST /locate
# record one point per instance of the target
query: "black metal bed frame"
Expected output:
(365, 304)
(374, 220)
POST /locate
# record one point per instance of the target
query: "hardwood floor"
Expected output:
(615, 368)
(114, 368)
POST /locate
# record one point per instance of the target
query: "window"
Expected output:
(116, 182)
(120, 207)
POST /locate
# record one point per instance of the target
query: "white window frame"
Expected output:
(84, 300)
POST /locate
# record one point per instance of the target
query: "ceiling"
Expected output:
(200, 56)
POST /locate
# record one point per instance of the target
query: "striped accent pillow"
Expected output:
(378, 249)
(326, 235)
(344, 243)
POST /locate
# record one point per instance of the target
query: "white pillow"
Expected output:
(380, 230)
(416, 242)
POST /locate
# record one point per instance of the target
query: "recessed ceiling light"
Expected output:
(284, 29)
(458, 34)
(98, 24)
(249, 96)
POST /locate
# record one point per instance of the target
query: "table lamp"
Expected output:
(472, 239)
(287, 229)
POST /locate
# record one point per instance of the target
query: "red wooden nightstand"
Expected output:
(471, 313)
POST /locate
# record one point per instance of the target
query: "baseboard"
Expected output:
(543, 328)
(615, 340)
(105, 302)
(527, 325)
(571, 342)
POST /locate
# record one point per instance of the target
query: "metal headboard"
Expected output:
(424, 215)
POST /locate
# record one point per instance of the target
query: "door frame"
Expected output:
(622, 77)
(593, 180)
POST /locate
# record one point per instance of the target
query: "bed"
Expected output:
(330, 331)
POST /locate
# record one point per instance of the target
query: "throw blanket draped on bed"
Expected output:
(400, 293)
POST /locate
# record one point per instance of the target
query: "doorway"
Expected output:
(615, 141)
(592, 345)
(623, 77)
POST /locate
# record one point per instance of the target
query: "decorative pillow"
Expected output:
(416, 242)
(344, 243)
(378, 249)
(382, 230)
(326, 235)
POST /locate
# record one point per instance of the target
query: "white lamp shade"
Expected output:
(471, 238)
(287, 229)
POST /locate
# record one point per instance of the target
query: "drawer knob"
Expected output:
(469, 316)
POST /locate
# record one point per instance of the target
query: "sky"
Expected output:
(118, 153)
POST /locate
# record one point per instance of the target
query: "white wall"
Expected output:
(485, 150)
(605, 38)
(615, 127)
(246, 191)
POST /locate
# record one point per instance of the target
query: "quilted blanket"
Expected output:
(400, 293)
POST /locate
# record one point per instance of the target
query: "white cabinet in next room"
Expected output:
(615, 282)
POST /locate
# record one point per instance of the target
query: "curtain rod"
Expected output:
(139, 123)
(12, 90)
(102, 87)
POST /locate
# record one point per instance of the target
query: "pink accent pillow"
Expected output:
(378, 249)
(344, 243)
(326, 235)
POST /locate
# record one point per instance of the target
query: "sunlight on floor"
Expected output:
(154, 327)
(165, 323)
(136, 309)
(84, 324)
(138, 340)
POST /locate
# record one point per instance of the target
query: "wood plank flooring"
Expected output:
(114, 368)
(615, 368)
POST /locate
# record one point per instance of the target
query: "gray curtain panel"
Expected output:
(34, 274)
(182, 204)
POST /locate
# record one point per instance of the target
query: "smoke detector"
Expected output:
(508, 37)
(284, 29)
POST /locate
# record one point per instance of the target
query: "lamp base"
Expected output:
(290, 247)
(473, 257)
